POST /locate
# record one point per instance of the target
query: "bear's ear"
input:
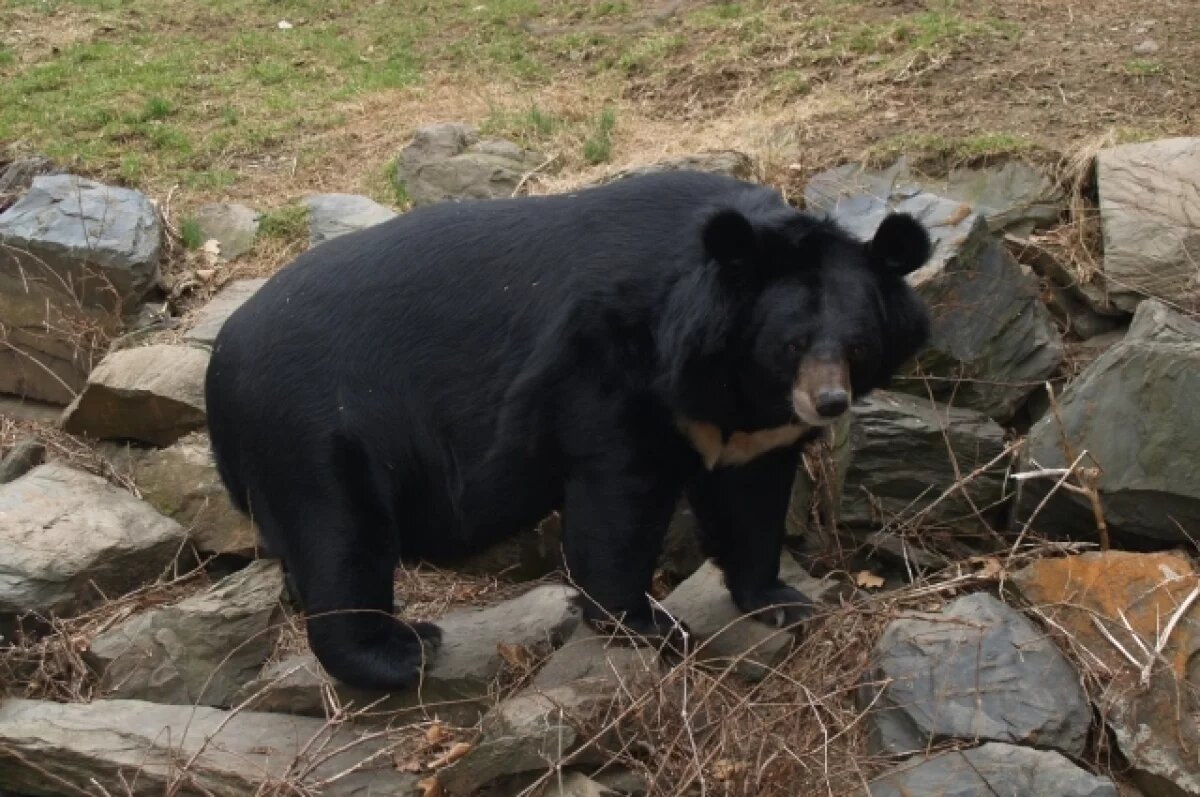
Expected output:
(901, 245)
(729, 238)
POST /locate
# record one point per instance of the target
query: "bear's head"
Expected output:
(814, 318)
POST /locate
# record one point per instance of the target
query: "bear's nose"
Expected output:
(832, 403)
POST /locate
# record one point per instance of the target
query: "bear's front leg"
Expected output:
(615, 517)
(742, 514)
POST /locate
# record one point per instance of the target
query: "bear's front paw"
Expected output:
(779, 606)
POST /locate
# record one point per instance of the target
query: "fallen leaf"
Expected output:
(868, 580)
(436, 733)
(518, 657)
(724, 769)
(960, 213)
(989, 567)
(430, 788)
(450, 756)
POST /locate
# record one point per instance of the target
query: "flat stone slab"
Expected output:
(139, 749)
(213, 315)
(201, 650)
(68, 538)
(333, 215)
(991, 770)
(233, 226)
(151, 394)
(182, 482)
(726, 637)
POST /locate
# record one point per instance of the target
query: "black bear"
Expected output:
(426, 386)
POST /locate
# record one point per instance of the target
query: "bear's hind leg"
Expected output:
(742, 514)
(344, 572)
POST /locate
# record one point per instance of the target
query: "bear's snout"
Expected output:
(822, 391)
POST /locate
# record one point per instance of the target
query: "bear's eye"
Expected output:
(857, 351)
(794, 346)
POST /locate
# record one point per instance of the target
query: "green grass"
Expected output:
(926, 147)
(1143, 67)
(598, 147)
(192, 235)
(171, 91)
(287, 223)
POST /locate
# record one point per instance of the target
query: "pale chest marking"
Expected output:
(741, 447)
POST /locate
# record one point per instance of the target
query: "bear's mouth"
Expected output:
(822, 391)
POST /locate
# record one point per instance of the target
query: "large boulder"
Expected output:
(903, 453)
(139, 749)
(198, 651)
(1152, 708)
(1013, 196)
(993, 340)
(151, 394)
(25, 455)
(532, 732)
(68, 539)
(182, 482)
(75, 255)
(98, 242)
(212, 316)
(1125, 411)
(1149, 207)
(448, 161)
(991, 770)
(334, 215)
(977, 670)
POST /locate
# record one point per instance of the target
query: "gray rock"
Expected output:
(728, 162)
(531, 732)
(332, 215)
(460, 673)
(993, 341)
(198, 651)
(1013, 196)
(1149, 207)
(68, 539)
(101, 241)
(435, 142)
(25, 455)
(18, 175)
(53, 341)
(233, 226)
(140, 749)
(1145, 47)
(589, 655)
(1124, 409)
(899, 463)
(577, 784)
(726, 637)
(977, 670)
(152, 394)
(213, 315)
(991, 770)
(182, 482)
(446, 161)
(1087, 289)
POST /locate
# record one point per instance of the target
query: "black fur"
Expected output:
(426, 386)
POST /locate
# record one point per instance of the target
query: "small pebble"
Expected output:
(1148, 47)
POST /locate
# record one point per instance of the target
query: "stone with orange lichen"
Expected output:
(1157, 727)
